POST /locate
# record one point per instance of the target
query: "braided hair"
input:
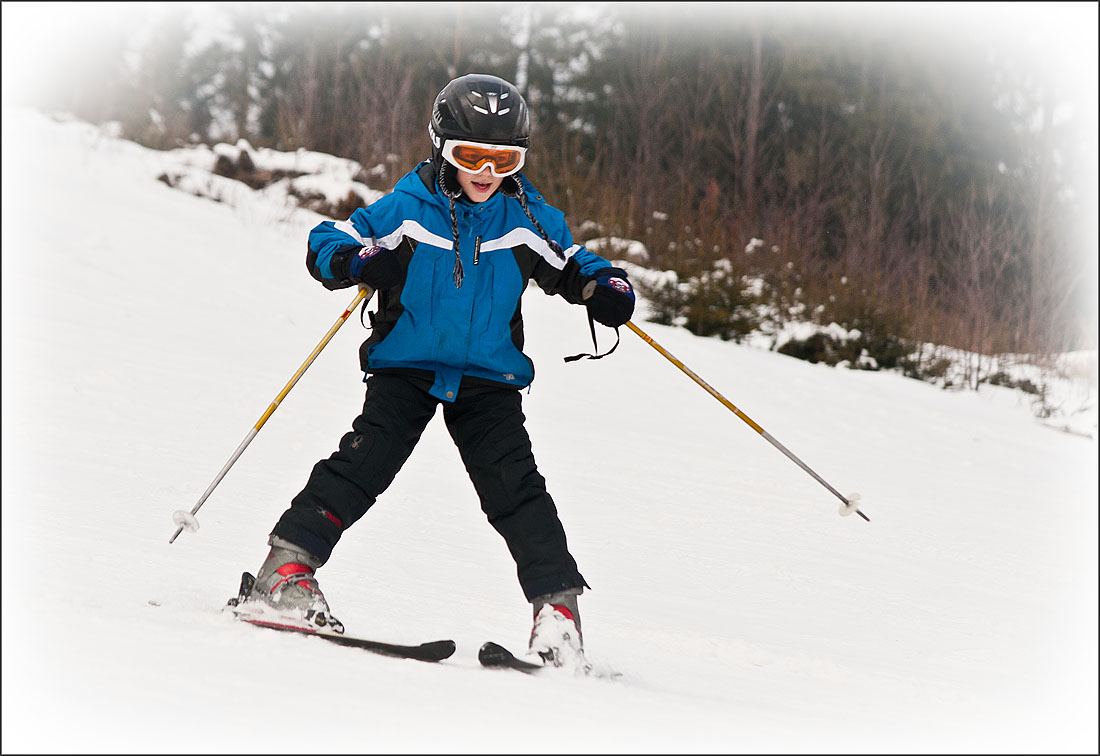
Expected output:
(511, 186)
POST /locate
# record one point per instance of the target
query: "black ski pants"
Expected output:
(488, 428)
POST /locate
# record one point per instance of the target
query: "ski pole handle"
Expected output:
(187, 520)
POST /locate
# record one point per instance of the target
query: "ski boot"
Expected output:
(286, 583)
(556, 635)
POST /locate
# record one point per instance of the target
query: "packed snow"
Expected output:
(146, 329)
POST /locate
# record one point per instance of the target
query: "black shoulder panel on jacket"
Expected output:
(426, 172)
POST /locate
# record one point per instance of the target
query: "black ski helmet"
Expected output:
(479, 108)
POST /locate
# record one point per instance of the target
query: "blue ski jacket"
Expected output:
(450, 336)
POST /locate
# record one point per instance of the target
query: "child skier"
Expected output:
(450, 251)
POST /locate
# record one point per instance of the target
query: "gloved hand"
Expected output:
(376, 267)
(609, 297)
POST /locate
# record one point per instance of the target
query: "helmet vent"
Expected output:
(493, 102)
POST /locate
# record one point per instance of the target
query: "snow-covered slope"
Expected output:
(145, 330)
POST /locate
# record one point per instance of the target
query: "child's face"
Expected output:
(478, 186)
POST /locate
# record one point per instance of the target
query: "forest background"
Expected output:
(918, 174)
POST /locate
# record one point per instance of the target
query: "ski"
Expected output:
(258, 615)
(496, 656)
(432, 651)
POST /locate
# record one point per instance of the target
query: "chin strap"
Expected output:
(595, 346)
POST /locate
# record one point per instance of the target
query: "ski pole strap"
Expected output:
(595, 346)
(366, 301)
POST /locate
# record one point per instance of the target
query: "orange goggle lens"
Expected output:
(472, 157)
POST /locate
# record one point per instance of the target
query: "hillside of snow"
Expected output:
(146, 329)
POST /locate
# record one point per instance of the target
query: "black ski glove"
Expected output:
(376, 267)
(609, 297)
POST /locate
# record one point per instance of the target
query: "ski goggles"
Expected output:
(472, 157)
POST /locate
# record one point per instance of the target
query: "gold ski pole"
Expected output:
(849, 501)
(187, 519)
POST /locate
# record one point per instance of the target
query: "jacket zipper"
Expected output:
(477, 249)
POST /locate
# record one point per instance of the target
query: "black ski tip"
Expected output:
(432, 651)
(495, 655)
(441, 649)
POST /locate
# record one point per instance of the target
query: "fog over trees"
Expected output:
(888, 170)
